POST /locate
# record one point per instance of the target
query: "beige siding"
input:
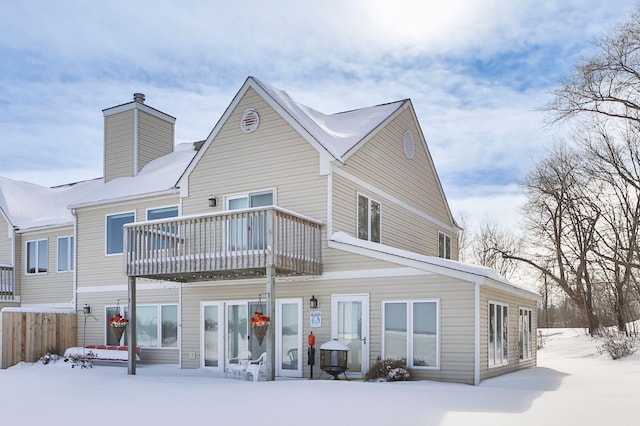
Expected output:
(47, 288)
(455, 298)
(155, 138)
(514, 302)
(118, 149)
(382, 164)
(95, 267)
(272, 157)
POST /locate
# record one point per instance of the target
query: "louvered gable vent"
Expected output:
(249, 121)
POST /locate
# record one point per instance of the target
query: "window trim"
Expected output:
(369, 218)
(503, 362)
(106, 231)
(522, 356)
(447, 246)
(410, 331)
(70, 254)
(37, 258)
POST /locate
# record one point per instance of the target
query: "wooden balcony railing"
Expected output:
(7, 283)
(226, 245)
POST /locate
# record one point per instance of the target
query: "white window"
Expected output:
(411, 332)
(114, 235)
(498, 334)
(66, 254)
(525, 326)
(444, 246)
(369, 222)
(37, 253)
(156, 325)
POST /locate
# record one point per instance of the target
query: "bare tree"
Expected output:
(561, 223)
(608, 84)
(483, 248)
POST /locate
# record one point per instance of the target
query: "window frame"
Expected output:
(446, 246)
(504, 333)
(410, 331)
(124, 311)
(369, 218)
(37, 244)
(106, 231)
(71, 250)
(525, 352)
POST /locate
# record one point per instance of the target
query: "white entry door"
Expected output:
(350, 325)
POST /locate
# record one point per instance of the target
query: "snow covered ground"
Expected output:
(572, 385)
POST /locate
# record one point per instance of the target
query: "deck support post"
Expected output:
(133, 342)
(271, 341)
(271, 296)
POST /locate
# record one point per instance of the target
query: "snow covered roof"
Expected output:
(28, 205)
(338, 133)
(429, 262)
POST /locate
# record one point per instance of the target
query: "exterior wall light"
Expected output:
(313, 302)
(86, 309)
(212, 201)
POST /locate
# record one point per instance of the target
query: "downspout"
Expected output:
(476, 332)
(74, 298)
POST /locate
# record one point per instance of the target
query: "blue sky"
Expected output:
(477, 72)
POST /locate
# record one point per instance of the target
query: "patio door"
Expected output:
(289, 338)
(350, 325)
(249, 233)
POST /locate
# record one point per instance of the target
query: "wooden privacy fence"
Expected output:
(26, 336)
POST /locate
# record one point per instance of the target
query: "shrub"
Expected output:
(76, 360)
(388, 370)
(616, 344)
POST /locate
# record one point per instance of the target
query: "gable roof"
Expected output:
(335, 134)
(338, 133)
(27, 205)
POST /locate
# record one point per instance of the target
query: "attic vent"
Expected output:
(249, 121)
(409, 144)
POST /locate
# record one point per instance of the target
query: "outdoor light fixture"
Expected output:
(313, 302)
(86, 309)
(212, 200)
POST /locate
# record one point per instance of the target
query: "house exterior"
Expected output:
(279, 207)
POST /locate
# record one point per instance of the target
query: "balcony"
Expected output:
(232, 244)
(7, 283)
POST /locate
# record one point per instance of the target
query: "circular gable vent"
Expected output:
(249, 121)
(409, 144)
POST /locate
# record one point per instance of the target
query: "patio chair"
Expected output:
(238, 365)
(254, 367)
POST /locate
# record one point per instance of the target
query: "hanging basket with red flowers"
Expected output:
(260, 323)
(118, 324)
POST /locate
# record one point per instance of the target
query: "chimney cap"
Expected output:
(138, 97)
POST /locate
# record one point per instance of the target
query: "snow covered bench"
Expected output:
(103, 352)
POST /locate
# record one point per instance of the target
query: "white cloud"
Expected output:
(475, 70)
